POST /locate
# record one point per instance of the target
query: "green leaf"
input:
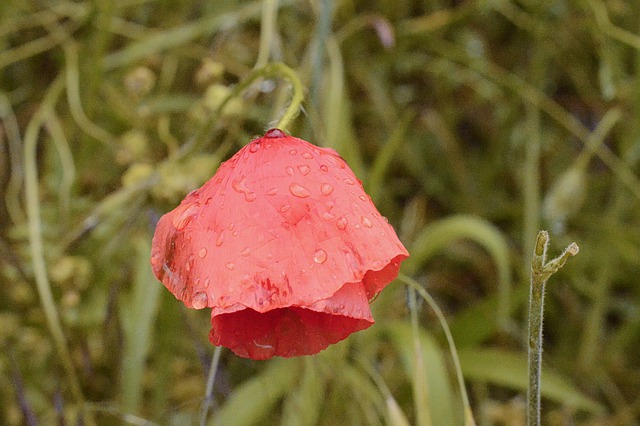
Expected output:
(509, 369)
(439, 234)
(138, 313)
(443, 404)
(250, 403)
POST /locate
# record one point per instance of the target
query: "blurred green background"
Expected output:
(472, 123)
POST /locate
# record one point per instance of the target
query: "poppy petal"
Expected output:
(293, 331)
(282, 228)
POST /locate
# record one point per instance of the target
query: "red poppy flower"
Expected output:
(283, 244)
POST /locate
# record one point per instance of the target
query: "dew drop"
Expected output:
(304, 169)
(245, 252)
(326, 189)
(348, 181)
(189, 265)
(200, 300)
(298, 190)
(272, 191)
(208, 201)
(184, 216)
(342, 223)
(202, 253)
(327, 216)
(365, 222)
(289, 170)
(285, 208)
(231, 226)
(253, 147)
(240, 185)
(324, 168)
(230, 266)
(307, 155)
(363, 198)
(320, 256)
(220, 239)
(293, 152)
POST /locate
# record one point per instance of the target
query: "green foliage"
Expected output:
(473, 124)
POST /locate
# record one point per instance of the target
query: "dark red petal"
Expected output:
(293, 331)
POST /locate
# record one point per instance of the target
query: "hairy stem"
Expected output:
(541, 271)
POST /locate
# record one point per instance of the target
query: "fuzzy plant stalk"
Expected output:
(541, 271)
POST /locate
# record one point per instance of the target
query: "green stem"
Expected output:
(208, 398)
(275, 69)
(37, 246)
(271, 70)
(468, 414)
(541, 271)
(267, 30)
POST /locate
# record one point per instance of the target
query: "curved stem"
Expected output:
(468, 414)
(37, 246)
(274, 69)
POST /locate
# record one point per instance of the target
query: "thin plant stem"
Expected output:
(420, 387)
(541, 270)
(267, 30)
(37, 246)
(211, 379)
(271, 70)
(468, 414)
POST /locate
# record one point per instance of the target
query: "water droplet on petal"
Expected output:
(289, 170)
(304, 169)
(293, 152)
(327, 216)
(307, 155)
(298, 190)
(326, 189)
(365, 222)
(220, 239)
(240, 185)
(320, 256)
(208, 201)
(200, 300)
(245, 252)
(324, 168)
(202, 253)
(231, 226)
(183, 216)
(272, 191)
(348, 181)
(363, 198)
(284, 208)
(342, 223)
(230, 266)
(253, 147)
